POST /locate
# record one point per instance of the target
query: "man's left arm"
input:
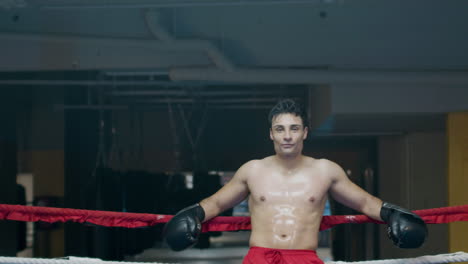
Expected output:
(404, 228)
(344, 191)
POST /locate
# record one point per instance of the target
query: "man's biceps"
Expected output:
(340, 192)
(230, 192)
(337, 186)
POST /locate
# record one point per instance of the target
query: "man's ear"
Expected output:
(306, 131)
(271, 134)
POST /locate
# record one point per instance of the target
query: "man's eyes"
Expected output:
(279, 129)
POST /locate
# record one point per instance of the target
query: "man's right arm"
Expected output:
(234, 192)
(183, 230)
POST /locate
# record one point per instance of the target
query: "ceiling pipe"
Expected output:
(152, 23)
(208, 101)
(303, 76)
(210, 93)
(136, 73)
(97, 83)
(80, 4)
(163, 105)
(164, 41)
(227, 73)
(185, 45)
(216, 56)
(60, 107)
(148, 93)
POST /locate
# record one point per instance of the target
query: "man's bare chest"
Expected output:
(300, 189)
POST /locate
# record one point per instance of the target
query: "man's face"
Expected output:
(288, 133)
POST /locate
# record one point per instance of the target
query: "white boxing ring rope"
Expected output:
(435, 259)
(66, 260)
(441, 258)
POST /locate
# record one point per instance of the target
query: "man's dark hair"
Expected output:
(288, 106)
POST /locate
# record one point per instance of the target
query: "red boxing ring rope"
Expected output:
(221, 223)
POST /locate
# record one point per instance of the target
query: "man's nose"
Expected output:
(287, 135)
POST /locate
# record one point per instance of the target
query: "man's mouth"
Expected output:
(287, 145)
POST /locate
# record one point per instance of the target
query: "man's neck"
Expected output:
(289, 162)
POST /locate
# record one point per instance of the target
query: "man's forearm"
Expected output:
(210, 207)
(372, 208)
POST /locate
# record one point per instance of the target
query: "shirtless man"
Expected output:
(288, 192)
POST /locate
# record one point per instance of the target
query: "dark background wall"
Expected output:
(8, 169)
(413, 173)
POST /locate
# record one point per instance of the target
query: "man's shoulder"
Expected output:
(257, 163)
(322, 164)
(252, 167)
(317, 161)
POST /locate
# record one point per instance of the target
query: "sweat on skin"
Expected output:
(288, 191)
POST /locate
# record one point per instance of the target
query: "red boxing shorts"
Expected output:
(260, 255)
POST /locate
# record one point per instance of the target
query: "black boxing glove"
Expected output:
(183, 230)
(405, 228)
